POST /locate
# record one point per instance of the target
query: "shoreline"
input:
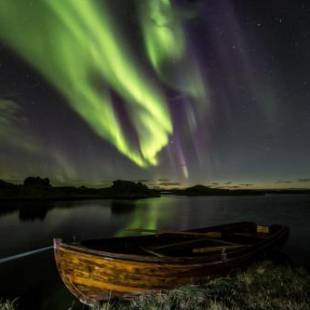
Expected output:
(263, 285)
(138, 196)
(38, 189)
(76, 198)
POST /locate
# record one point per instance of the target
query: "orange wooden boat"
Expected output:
(96, 270)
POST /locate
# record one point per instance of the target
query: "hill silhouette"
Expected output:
(201, 190)
(39, 188)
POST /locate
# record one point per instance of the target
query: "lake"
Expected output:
(35, 279)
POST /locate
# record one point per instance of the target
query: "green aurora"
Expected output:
(72, 41)
(166, 47)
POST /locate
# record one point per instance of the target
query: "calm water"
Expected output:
(22, 231)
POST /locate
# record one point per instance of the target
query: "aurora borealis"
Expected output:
(83, 45)
(175, 90)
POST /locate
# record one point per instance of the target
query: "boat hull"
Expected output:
(94, 276)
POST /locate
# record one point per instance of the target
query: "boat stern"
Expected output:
(68, 265)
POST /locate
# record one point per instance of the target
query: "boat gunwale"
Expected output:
(211, 259)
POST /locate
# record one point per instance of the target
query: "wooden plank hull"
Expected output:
(93, 276)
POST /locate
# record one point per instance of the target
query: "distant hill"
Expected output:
(39, 188)
(36, 188)
(201, 190)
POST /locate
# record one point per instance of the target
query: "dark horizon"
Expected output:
(303, 184)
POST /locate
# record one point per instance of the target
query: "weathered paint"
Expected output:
(93, 276)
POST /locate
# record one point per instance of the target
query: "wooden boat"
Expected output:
(96, 270)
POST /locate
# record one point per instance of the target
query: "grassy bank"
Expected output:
(262, 287)
(7, 305)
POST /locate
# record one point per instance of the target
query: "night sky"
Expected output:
(166, 91)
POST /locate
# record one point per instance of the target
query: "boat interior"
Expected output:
(198, 242)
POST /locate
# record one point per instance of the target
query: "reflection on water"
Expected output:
(122, 206)
(33, 213)
(32, 226)
(146, 215)
(29, 210)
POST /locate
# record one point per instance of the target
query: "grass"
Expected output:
(7, 305)
(264, 286)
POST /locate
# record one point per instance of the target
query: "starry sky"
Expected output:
(166, 91)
